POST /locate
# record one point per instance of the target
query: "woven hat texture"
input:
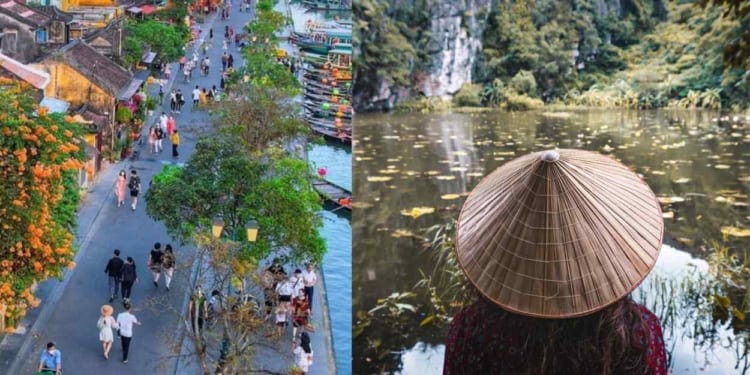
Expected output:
(559, 234)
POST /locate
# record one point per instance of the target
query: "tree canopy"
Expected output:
(222, 179)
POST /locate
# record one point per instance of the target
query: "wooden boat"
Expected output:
(342, 5)
(333, 135)
(314, 85)
(333, 193)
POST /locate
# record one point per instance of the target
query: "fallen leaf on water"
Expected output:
(379, 178)
(417, 211)
(744, 179)
(388, 171)
(607, 148)
(735, 232)
(418, 146)
(362, 205)
(668, 215)
(668, 200)
(402, 233)
(432, 173)
(658, 173)
(721, 166)
(681, 180)
(459, 153)
(450, 196)
(446, 178)
(475, 174)
(458, 169)
(739, 204)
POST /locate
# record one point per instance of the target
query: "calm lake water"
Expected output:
(690, 158)
(337, 263)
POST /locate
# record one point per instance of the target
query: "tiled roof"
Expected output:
(104, 72)
(22, 13)
(55, 13)
(35, 77)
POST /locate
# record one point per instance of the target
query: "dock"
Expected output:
(333, 193)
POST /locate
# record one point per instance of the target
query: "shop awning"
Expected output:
(130, 90)
(54, 105)
(149, 57)
(148, 9)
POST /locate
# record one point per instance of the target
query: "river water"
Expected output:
(337, 263)
(690, 158)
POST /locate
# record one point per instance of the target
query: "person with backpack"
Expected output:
(168, 265)
(134, 184)
(129, 277)
(155, 262)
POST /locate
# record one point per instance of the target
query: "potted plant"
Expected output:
(123, 115)
(151, 105)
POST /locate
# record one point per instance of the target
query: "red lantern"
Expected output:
(324, 80)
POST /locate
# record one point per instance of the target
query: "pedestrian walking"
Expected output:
(114, 273)
(50, 361)
(223, 82)
(224, 61)
(231, 32)
(197, 310)
(125, 321)
(155, 260)
(163, 121)
(203, 97)
(180, 100)
(281, 323)
(310, 278)
(183, 60)
(173, 101)
(134, 184)
(168, 265)
(301, 312)
(186, 73)
(160, 133)
(211, 34)
(284, 291)
(161, 92)
(152, 139)
(297, 283)
(225, 45)
(303, 354)
(120, 184)
(230, 61)
(175, 143)
(105, 324)
(129, 277)
(210, 94)
(196, 96)
(170, 125)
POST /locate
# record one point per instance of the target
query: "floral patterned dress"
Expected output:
(484, 340)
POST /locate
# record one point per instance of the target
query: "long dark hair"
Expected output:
(612, 341)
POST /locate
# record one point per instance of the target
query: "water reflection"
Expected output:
(696, 164)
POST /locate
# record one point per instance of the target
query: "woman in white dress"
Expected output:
(105, 324)
(303, 354)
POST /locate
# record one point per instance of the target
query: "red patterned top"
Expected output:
(483, 339)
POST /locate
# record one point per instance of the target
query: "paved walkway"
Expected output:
(70, 308)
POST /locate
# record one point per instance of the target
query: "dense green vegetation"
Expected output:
(647, 53)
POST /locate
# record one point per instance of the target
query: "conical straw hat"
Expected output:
(559, 234)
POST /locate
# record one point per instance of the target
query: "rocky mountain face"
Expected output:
(455, 32)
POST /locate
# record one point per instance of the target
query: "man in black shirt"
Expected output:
(114, 271)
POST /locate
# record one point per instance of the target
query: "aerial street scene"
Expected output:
(175, 187)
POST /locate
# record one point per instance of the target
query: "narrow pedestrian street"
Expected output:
(69, 312)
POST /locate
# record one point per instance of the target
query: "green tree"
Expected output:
(222, 179)
(132, 51)
(259, 117)
(164, 39)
